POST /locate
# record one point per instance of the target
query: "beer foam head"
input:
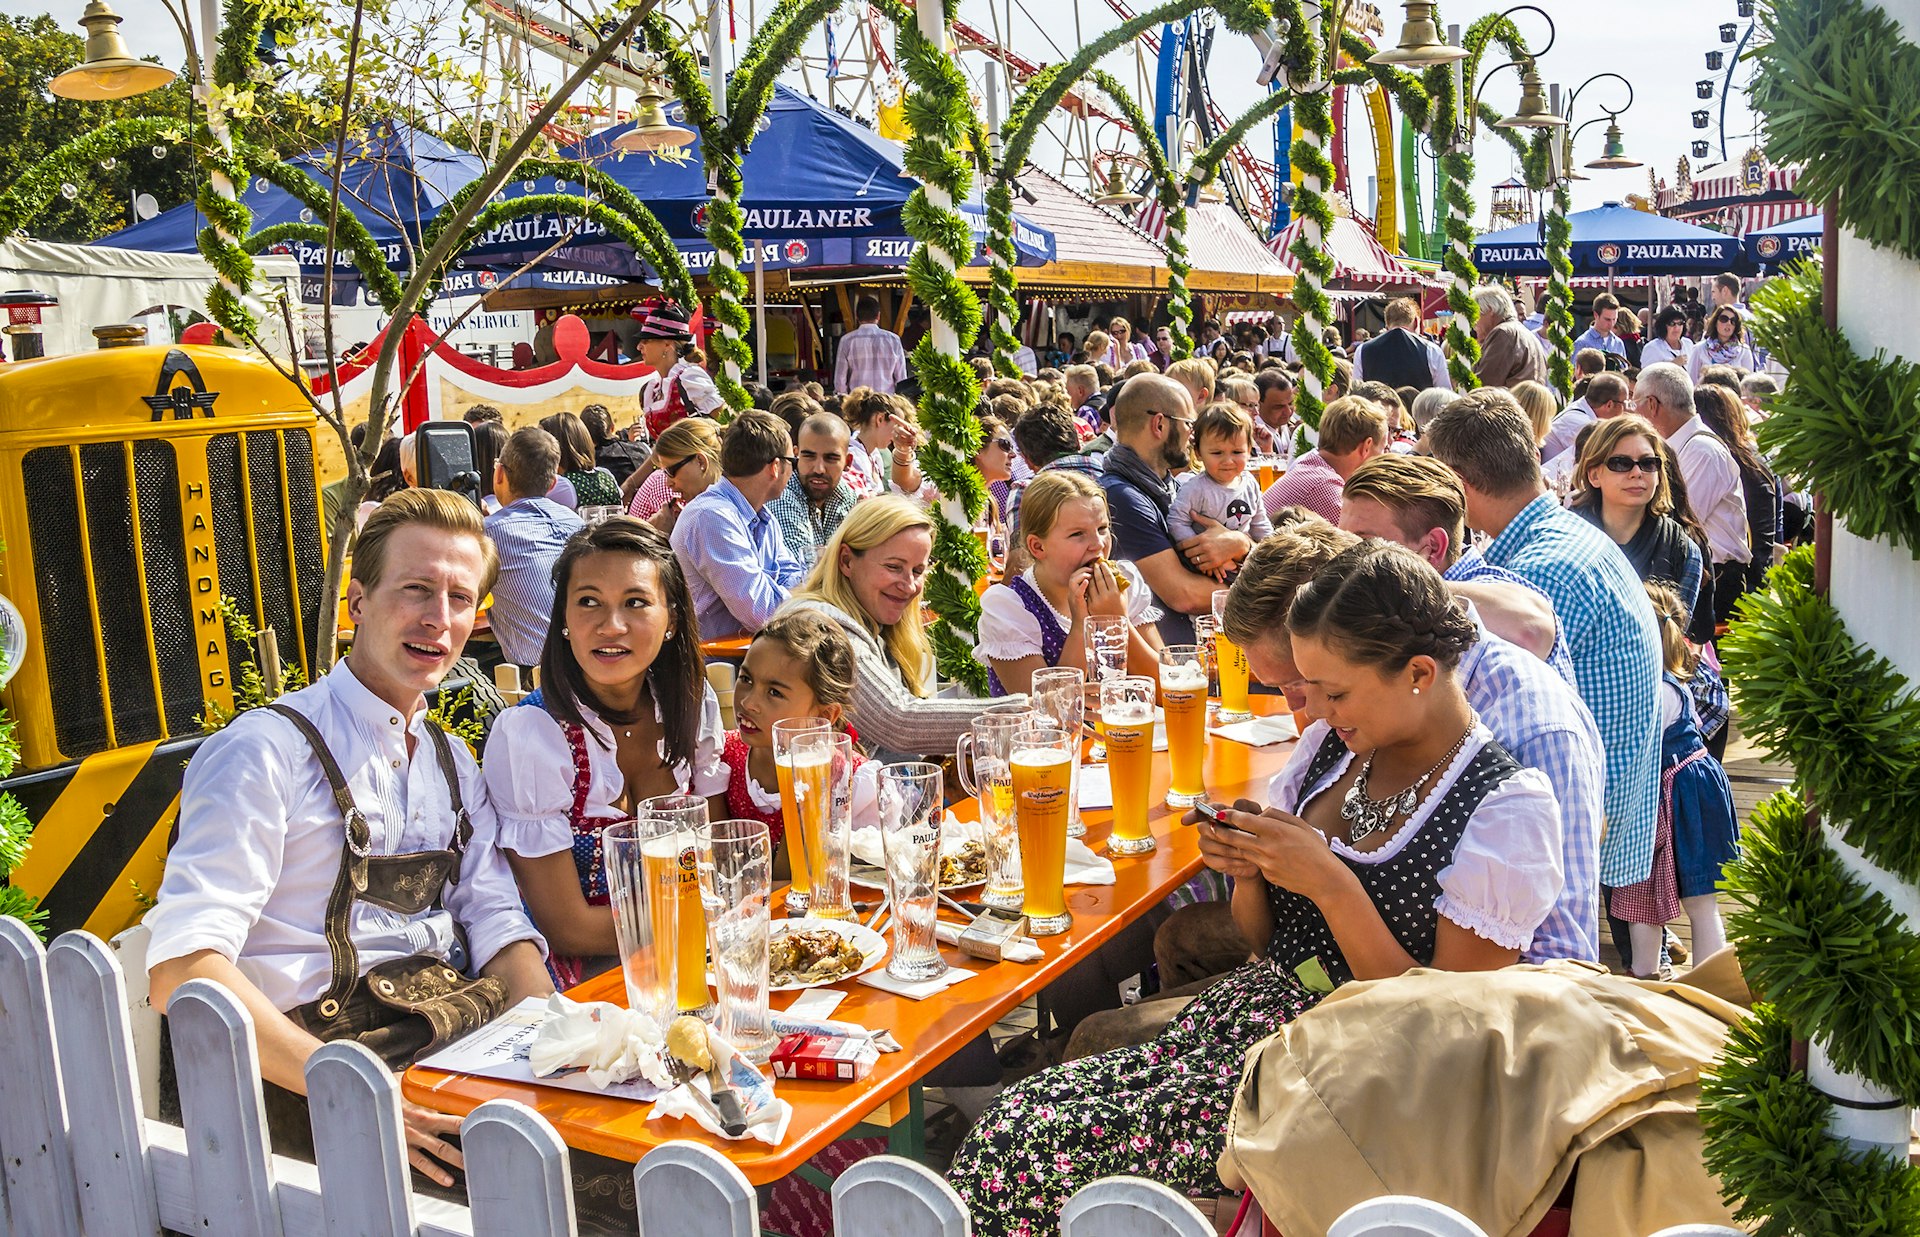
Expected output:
(1035, 757)
(1185, 677)
(812, 756)
(1127, 712)
(667, 846)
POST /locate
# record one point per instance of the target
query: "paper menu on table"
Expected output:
(499, 1050)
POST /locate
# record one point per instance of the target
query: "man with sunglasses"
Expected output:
(1153, 424)
(739, 570)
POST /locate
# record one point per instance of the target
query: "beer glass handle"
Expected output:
(962, 747)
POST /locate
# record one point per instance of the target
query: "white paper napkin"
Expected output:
(612, 1044)
(1086, 868)
(1260, 731)
(916, 990)
(767, 1116)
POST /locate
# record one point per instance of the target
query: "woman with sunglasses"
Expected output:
(994, 459)
(1621, 486)
(685, 461)
(1723, 345)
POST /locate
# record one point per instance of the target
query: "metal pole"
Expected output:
(932, 16)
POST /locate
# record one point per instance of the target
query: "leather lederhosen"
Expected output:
(402, 1007)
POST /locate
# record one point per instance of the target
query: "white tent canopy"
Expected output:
(99, 286)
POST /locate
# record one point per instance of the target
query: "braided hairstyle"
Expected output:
(1381, 605)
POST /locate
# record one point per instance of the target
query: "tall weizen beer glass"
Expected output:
(983, 759)
(736, 887)
(670, 828)
(822, 764)
(1060, 696)
(799, 846)
(1126, 714)
(643, 925)
(1107, 637)
(911, 805)
(1183, 694)
(1042, 787)
(1232, 661)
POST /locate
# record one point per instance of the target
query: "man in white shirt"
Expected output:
(288, 898)
(1399, 357)
(1606, 398)
(1664, 396)
(869, 355)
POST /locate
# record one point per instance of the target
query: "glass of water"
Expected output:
(736, 888)
(910, 814)
(1107, 637)
(641, 894)
(1060, 695)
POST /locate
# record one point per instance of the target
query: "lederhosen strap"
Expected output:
(350, 882)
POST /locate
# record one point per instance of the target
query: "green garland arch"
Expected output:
(1171, 194)
(1839, 86)
(350, 234)
(30, 192)
(1558, 306)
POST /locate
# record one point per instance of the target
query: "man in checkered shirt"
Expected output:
(1600, 602)
(870, 355)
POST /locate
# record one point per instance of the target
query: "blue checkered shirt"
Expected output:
(529, 534)
(1608, 622)
(1472, 568)
(1544, 724)
(805, 526)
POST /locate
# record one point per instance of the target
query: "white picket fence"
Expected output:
(81, 1156)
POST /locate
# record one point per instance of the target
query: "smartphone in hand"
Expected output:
(1212, 815)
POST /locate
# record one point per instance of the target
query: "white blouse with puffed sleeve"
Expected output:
(1009, 632)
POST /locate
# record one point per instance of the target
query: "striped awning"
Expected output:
(1358, 257)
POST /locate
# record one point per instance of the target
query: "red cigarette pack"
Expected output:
(823, 1058)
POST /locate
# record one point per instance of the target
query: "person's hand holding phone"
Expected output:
(1281, 847)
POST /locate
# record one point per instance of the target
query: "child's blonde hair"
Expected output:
(1044, 496)
(1675, 653)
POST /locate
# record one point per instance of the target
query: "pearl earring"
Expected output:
(564, 633)
(1416, 691)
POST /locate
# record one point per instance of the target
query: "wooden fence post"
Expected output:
(687, 1190)
(1131, 1207)
(1396, 1215)
(886, 1196)
(517, 1179)
(33, 1121)
(111, 1167)
(359, 1142)
(225, 1117)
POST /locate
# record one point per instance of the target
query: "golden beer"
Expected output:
(1233, 678)
(799, 877)
(1042, 795)
(668, 866)
(1266, 474)
(1129, 730)
(1183, 693)
(811, 772)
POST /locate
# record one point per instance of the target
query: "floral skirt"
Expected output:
(1158, 1110)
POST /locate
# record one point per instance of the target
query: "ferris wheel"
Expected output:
(1729, 61)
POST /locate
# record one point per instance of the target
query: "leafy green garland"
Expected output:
(1558, 307)
(350, 234)
(16, 828)
(1830, 953)
(1838, 712)
(1840, 87)
(643, 233)
(30, 192)
(1309, 81)
(1767, 1142)
(1172, 197)
(217, 196)
(941, 116)
(1862, 465)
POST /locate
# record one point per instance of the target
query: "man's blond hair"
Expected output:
(1403, 312)
(437, 509)
(1279, 567)
(1418, 491)
(1350, 421)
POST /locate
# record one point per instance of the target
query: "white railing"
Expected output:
(80, 1155)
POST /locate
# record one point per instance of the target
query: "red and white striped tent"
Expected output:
(1718, 197)
(1360, 261)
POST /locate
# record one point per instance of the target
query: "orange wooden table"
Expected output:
(930, 1030)
(733, 648)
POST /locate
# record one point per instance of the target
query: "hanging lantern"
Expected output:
(109, 71)
(1534, 111)
(1115, 192)
(1421, 45)
(1716, 59)
(1615, 153)
(651, 129)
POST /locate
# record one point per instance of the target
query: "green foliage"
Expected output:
(461, 714)
(1558, 306)
(251, 691)
(1839, 87)
(1846, 423)
(1767, 1142)
(1831, 955)
(1839, 713)
(16, 829)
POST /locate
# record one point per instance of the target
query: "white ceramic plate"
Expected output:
(872, 946)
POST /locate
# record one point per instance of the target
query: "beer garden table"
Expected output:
(929, 1031)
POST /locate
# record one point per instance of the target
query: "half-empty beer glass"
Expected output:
(822, 763)
(800, 847)
(1232, 661)
(670, 826)
(1060, 695)
(644, 925)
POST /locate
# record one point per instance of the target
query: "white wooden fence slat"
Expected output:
(114, 1183)
(1131, 1207)
(225, 1116)
(130, 948)
(887, 1196)
(687, 1190)
(33, 1122)
(1397, 1215)
(517, 1177)
(359, 1142)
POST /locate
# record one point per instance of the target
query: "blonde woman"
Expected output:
(869, 579)
(685, 461)
(1098, 349)
(1537, 400)
(1197, 375)
(1124, 348)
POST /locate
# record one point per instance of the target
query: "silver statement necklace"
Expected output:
(1366, 816)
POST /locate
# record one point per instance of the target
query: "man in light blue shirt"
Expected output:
(1601, 604)
(1606, 312)
(739, 570)
(529, 530)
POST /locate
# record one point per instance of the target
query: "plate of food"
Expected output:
(811, 953)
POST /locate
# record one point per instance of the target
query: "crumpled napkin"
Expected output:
(1260, 731)
(869, 847)
(1086, 868)
(767, 1115)
(612, 1044)
(1023, 950)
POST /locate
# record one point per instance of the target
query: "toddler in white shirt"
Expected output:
(1225, 492)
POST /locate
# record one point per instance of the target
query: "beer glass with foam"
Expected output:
(1232, 661)
(1126, 714)
(670, 826)
(982, 757)
(644, 925)
(799, 847)
(735, 859)
(1060, 696)
(822, 764)
(1042, 765)
(1183, 695)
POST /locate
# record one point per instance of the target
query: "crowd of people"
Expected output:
(1497, 613)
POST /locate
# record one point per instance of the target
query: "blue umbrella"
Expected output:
(1783, 242)
(1612, 239)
